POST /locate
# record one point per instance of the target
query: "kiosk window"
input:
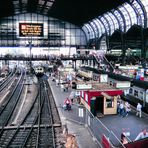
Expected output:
(135, 93)
(141, 95)
(109, 103)
(130, 90)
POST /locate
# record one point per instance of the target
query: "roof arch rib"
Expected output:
(118, 13)
(122, 18)
(101, 27)
(143, 5)
(106, 24)
(97, 26)
(119, 24)
(86, 31)
(126, 16)
(110, 22)
(94, 28)
(131, 13)
(91, 32)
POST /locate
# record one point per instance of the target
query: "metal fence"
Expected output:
(81, 115)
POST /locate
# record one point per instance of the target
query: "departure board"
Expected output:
(31, 29)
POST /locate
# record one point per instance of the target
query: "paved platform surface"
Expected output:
(116, 123)
(131, 124)
(83, 136)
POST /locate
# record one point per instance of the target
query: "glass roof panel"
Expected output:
(85, 29)
(115, 21)
(145, 3)
(126, 16)
(105, 24)
(132, 13)
(94, 28)
(118, 15)
(91, 32)
(139, 12)
(111, 23)
(101, 28)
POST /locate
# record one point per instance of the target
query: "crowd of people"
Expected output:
(123, 109)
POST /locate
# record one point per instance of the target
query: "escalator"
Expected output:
(103, 60)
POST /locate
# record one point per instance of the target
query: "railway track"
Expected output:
(6, 82)
(40, 128)
(7, 109)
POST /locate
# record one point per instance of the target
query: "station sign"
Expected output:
(31, 29)
(128, 67)
(84, 86)
(123, 85)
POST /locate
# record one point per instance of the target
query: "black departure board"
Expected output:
(31, 29)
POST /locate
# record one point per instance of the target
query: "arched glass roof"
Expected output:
(101, 28)
(110, 22)
(118, 15)
(114, 21)
(145, 4)
(106, 24)
(90, 31)
(94, 26)
(139, 12)
(122, 18)
(85, 29)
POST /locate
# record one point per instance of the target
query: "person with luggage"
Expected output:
(67, 104)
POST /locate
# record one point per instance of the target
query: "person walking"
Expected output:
(127, 108)
(138, 109)
(121, 107)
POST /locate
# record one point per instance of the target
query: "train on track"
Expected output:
(39, 71)
(138, 93)
(88, 73)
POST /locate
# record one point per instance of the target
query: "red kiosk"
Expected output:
(102, 100)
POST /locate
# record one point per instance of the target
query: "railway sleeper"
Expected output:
(29, 126)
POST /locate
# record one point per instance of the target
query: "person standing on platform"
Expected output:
(141, 135)
(139, 112)
(66, 87)
(67, 103)
(121, 107)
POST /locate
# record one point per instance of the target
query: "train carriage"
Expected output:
(39, 71)
(138, 93)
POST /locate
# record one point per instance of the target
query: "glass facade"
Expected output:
(41, 30)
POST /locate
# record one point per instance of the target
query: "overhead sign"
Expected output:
(31, 29)
(128, 67)
(123, 84)
(84, 86)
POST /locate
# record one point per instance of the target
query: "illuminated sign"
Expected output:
(31, 29)
(84, 86)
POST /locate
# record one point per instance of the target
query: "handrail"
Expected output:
(117, 139)
(109, 63)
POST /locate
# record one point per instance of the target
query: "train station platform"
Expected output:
(71, 118)
(131, 124)
(111, 125)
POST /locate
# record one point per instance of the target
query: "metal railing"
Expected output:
(94, 125)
